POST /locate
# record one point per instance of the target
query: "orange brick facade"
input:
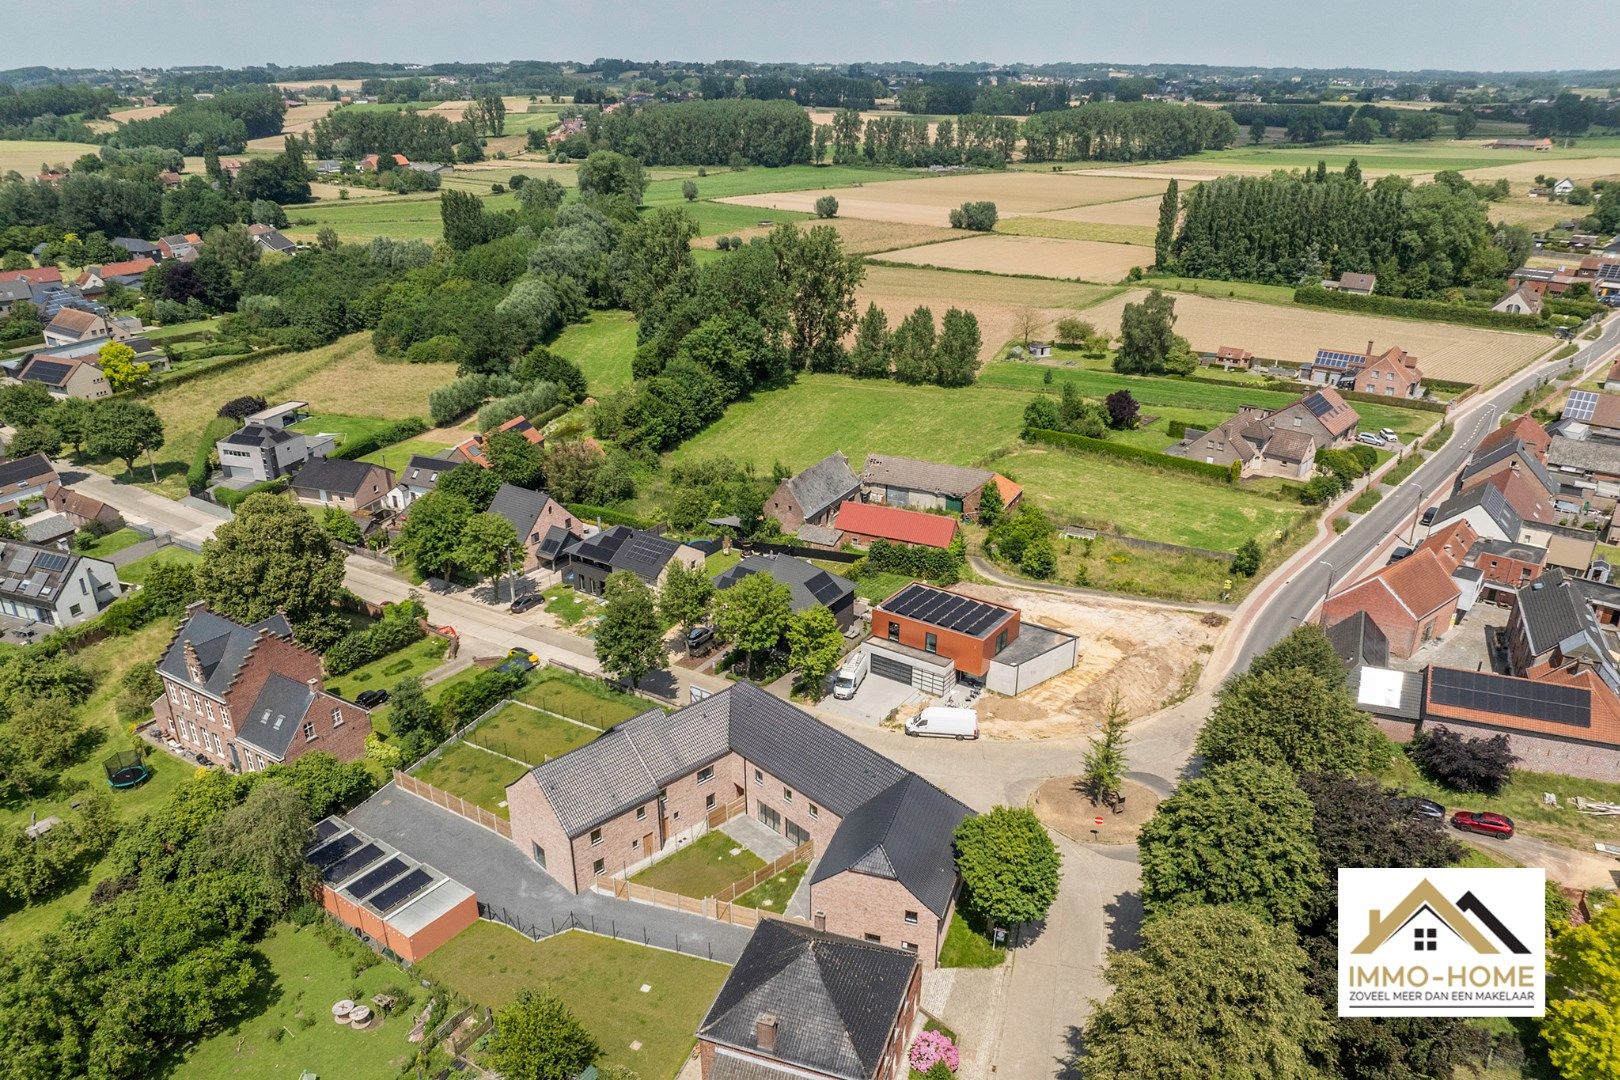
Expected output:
(881, 911)
(972, 655)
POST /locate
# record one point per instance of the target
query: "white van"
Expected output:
(849, 678)
(945, 723)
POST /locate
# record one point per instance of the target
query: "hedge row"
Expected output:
(1399, 403)
(199, 369)
(197, 473)
(389, 635)
(1431, 310)
(230, 498)
(607, 517)
(943, 566)
(398, 431)
(1127, 452)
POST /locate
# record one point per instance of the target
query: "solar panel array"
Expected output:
(1506, 696)
(643, 553)
(824, 589)
(1608, 271)
(1581, 405)
(351, 864)
(374, 880)
(52, 562)
(325, 856)
(1319, 405)
(947, 610)
(325, 829)
(1336, 359)
(48, 371)
(401, 890)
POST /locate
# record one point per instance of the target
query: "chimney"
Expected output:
(765, 1032)
(1369, 347)
(312, 683)
(193, 664)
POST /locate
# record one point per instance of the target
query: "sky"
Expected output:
(1389, 34)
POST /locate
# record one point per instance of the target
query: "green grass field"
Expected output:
(1061, 229)
(966, 947)
(520, 732)
(773, 895)
(715, 219)
(701, 868)
(135, 573)
(1241, 290)
(396, 457)
(1416, 157)
(1521, 801)
(579, 699)
(474, 774)
(404, 217)
(117, 540)
(603, 346)
(600, 979)
(723, 183)
(413, 661)
(291, 1029)
(347, 428)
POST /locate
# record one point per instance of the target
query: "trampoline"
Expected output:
(125, 770)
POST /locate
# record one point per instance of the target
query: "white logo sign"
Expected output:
(1442, 942)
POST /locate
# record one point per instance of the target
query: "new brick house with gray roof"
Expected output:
(247, 697)
(887, 869)
(543, 525)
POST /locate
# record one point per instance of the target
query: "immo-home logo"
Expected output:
(1442, 942)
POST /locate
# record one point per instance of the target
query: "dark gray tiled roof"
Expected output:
(608, 776)
(810, 584)
(33, 573)
(836, 999)
(221, 645)
(899, 835)
(425, 471)
(276, 714)
(520, 506)
(1531, 463)
(1358, 640)
(333, 474)
(34, 467)
(1555, 614)
(1487, 497)
(825, 484)
(553, 541)
(914, 475)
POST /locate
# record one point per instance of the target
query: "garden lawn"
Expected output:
(529, 735)
(1090, 489)
(721, 561)
(600, 979)
(396, 457)
(103, 546)
(603, 346)
(292, 1030)
(565, 604)
(472, 773)
(1521, 801)
(703, 867)
(717, 219)
(578, 698)
(773, 895)
(966, 947)
(413, 661)
(134, 573)
(348, 429)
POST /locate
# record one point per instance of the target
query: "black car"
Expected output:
(1430, 514)
(527, 601)
(370, 699)
(699, 640)
(1428, 808)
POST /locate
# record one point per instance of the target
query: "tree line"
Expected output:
(223, 123)
(348, 134)
(1126, 131)
(721, 132)
(1292, 227)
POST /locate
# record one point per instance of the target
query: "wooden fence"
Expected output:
(721, 907)
(799, 854)
(722, 814)
(453, 803)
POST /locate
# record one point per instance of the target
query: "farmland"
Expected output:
(1456, 353)
(1085, 260)
(26, 156)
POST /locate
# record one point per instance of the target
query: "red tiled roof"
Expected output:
(1607, 411)
(124, 269)
(41, 276)
(889, 523)
(1420, 583)
(1528, 500)
(1451, 544)
(1010, 492)
(1605, 726)
(1524, 428)
(1340, 417)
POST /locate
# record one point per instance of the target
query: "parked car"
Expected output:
(1369, 438)
(1430, 514)
(699, 640)
(527, 601)
(1390, 436)
(1483, 823)
(944, 722)
(849, 678)
(1400, 552)
(1426, 808)
(519, 661)
(370, 699)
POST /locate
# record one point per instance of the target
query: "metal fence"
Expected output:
(453, 803)
(590, 924)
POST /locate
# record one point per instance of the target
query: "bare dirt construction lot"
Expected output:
(1065, 808)
(1279, 332)
(929, 201)
(860, 236)
(1043, 256)
(1143, 653)
(996, 301)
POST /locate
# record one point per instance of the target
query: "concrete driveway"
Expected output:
(874, 700)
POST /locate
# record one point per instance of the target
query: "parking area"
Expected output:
(1465, 645)
(873, 702)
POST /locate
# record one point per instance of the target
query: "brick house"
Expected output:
(1485, 509)
(419, 477)
(23, 480)
(1394, 374)
(1415, 599)
(1565, 722)
(1525, 430)
(800, 1004)
(244, 697)
(586, 564)
(1552, 628)
(543, 525)
(1507, 567)
(928, 485)
(348, 485)
(813, 496)
(1258, 450)
(77, 377)
(473, 449)
(930, 638)
(886, 868)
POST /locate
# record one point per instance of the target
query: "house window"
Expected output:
(705, 774)
(641, 813)
(635, 843)
(599, 867)
(873, 938)
(894, 631)
(815, 811)
(676, 816)
(596, 837)
(539, 855)
(708, 803)
(909, 946)
(759, 777)
(309, 732)
(787, 794)
(1001, 641)
(225, 715)
(174, 695)
(209, 707)
(931, 643)
(337, 718)
(911, 918)
(74, 609)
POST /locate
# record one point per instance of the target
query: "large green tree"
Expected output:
(537, 1038)
(432, 532)
(1239, 834)
(1169, 209)
(815, 645)
(488, 544)
(821, 281)
(125, 429)
(753, 615)
(1010, 868)
(1211, 992)
(1293, 717)
(272, 556)
(1582, 1025)
(1306, 647)
(629, 636)
(685, 596)
(1148, 343)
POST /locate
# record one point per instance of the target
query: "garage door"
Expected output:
(890, 668)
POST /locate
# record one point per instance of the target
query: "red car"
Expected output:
(1484, 824)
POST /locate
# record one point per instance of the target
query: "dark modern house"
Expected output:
(586, 564)
(810, 584)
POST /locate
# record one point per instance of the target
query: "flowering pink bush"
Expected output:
(932, 1046)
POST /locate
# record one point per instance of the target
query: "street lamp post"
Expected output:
(1326, 591)
(1417, 508)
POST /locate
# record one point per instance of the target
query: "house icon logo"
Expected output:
(1441, 942)
(1425, 914)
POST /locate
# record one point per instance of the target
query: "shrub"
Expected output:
(826, 207)
(1463, 764)
(242, 407)
(977, 216)
(231, 499)
(1433, 310)
(465, 702)
(456, 399)
(1129, 453)
(940, 565)
(933, 1046)
(398, 431)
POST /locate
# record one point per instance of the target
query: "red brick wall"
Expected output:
(1502, 570)
(1405, 633)
(770, 789)
(553, 514)
(1546, 753)
(972, 655)
(534, 822)
(783, 508)
(858, 904)
(436, 933)
(345, 741)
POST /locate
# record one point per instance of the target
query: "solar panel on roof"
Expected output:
(401, 890)
(824, 588)
(948, 610)
(52, 562)
(337, 849)
(1319, 405)
(351, 864)
(1523, 698)
(1334, 358)
(1581, 405)
(374, 880)
(325, 829)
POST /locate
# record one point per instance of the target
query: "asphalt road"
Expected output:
(1298, 597)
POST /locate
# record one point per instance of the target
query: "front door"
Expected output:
(797, 835)
(647, 845)
(770, 817)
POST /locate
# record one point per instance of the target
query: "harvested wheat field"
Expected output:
(1042, 256)
(860, 236)
(929, 201)
(1519, 209)
(1285, 332)
(138, 112)
(1527, 171)
(825, 116)
(1128, 212)
(1211, 169)
(334, 192)
(1142, 653)
(299, 120)
(998, 302)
